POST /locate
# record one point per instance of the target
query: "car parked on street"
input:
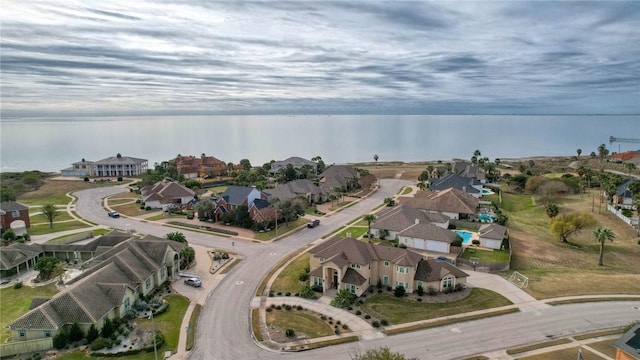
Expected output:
(113, 214)
(195, 282)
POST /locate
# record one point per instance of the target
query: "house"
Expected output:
(451, 202)
(110, 284)
(262, 212)
(303, 188)
(628, 345)
(81, 169)
(624, 196)
(428, 237)
(345, 263)
(625, 156)
(339, 177)
(467, 185)
(394, 220)
(162, 193)
(297, 163)
(492, 235)
(236, 196)
(468, 169)
(15, 213)
(192, 167)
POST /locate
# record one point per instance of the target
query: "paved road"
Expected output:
(223, 330)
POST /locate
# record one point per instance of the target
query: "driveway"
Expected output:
(505, 288)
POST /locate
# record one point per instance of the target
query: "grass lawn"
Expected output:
(301, 322)
(563, 354)
(132, 209)
(402, 310)
(166, 215)
(356, 232)
(606, 347)
(287, 280)
(169, 322)
(54, 191)
(406, 190)
(282, 229)
(15, 303)
(485, 256)
(62, 215)
(57, 227)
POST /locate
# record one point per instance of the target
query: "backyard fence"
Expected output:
(465, 224)
(25, 347)
(484, 266)
(618, 213)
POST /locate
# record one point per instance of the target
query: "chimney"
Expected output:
(417, 221)
(464, 189)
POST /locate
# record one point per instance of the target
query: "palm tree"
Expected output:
(477, 153)
(49, 212)
(369, 218)
(602, 234)
(602, 152)
(422, 186)
(552, 210)
(630, 167)
(430, 170)
(579, 151)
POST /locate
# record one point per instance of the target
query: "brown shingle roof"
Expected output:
(345, 251)
(450, 200)
(492, 231)
(402, 217)
(429, 232)
(432, 270)
(352, 277)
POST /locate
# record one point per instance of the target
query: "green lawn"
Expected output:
(62, 215)
(57, 227)
(406, 190)
(516, 202)
(356, 232)
(68, 239)
(287, 280)
(15, 303)
(282, 229)
(301, 322)
(492, 257)
(403, 310)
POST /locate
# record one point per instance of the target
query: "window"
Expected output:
(162, 272)
(355, 266)
(317, 281)
(403, 284)
(386, 263)
(47, 333)
(322, 259)
(23, 333)
(127, 304)
(148, 283)
(352, 288)
(420, 284)
(385, 280)
(15, 214)
(403, 269)
(447, 282)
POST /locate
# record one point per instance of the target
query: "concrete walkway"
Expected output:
(502, 286)
(573, 344)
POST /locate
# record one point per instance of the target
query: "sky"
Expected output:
(122, 57)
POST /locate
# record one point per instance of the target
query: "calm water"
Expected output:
(53, 144)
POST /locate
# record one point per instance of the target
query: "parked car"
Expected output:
(113, 214)
(313, 223)
(195, 282)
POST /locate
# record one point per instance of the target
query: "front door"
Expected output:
(335, 279)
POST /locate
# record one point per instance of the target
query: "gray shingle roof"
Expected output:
(429, 232)
(432, 270)
(450, 200)
(295, 188)
(623, 188)
(492, 231)
(112, 160)
(401, 217)
(12, 206)
(235, 195)
(455, 181)
(18, 253)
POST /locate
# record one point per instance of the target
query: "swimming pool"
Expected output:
(487, 192)
(465, 235)
(485, 218)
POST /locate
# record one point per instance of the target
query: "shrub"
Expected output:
(269, 309)
(343, 299)
(99, 343)
(86, 179)
(290, 333)
(119, 178)
(75, 332)
(336, 331)
(299, 307)
(419, 299)
(323, 317)
(345, 326)
(459, 287)
(303, 277)
(358, 312)
(420, 290)
(475, 242)
(17, 285)
(367, 316)
(389, 288)
(287, 294)
(270, 293)
(92, 333)
(375, 324)
(350, 308)
(307, 292)
(399, 291)
(431, 290)
(384, 322)
(60, 340)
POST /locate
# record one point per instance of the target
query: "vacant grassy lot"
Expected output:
(54, 191)
(62, 215)
(356, 231)
(558, 269)
(301, 322)
(495, 256)
(287, 280)
(15, 303)
(403, 310)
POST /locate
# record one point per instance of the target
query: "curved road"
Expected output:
(223, 330)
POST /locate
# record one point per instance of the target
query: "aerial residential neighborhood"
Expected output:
(419, 245)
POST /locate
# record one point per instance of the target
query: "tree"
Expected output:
(375, 157)
(92, 333)
(9, 235)
(176, 236)
(565, 225)
(602, 234)
(187, 255)
(579, 151)
(369, 218)
(205, 209)
(424, 176)
(551, 209)
(49, 212)
(75, 332)
(630, 167)
(7, 194)
(429, 171)
(47, 266)
(229, 168)
(602, 152)
(383, 353)
(343, 299)
(320, 164)
(246, 164)
(107, 328)
(477, 153)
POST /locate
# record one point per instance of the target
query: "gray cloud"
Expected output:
(319, 57)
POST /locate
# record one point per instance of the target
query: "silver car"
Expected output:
(195, 282)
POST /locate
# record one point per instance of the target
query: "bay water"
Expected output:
(52, 144)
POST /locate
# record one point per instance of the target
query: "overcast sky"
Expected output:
(445, 57)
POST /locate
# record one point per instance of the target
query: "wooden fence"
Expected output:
(25, 347)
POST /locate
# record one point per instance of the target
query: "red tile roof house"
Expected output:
(193, 167)
(11, 211)
(161, 193)
(345, 263)
(450, 202)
